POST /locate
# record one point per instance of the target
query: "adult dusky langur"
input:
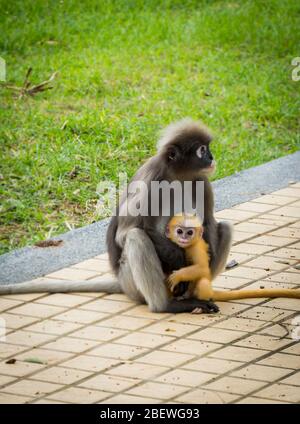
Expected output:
(139, 252)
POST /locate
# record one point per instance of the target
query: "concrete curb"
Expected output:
(86, 242)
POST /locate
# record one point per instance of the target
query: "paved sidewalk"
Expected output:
(97, 348)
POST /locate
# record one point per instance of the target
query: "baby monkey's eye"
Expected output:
(190, 232)
(179, 231)
(201, 151)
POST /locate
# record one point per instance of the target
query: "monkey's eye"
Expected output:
(179, 231)
(201, 151)
(190, 232)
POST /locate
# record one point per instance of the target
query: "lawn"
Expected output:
(126, 69)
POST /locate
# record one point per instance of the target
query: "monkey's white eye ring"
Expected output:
(201, 151)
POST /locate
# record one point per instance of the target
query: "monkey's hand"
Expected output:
(173, 280)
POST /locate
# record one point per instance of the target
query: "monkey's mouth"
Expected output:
(210, 168)
(183, 242)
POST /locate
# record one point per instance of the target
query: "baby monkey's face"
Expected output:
(185, 236)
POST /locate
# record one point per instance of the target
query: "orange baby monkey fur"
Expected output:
(186, 231)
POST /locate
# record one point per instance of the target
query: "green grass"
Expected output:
(126, 69)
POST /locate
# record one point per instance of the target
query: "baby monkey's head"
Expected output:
(184, 229)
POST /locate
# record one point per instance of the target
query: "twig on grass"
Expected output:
(30, 90)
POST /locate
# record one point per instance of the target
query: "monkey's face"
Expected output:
(206, 161)
(184, 236)
(191, 158)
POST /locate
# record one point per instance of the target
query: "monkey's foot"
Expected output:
(208, 307)
(197, 311)
(191, 305)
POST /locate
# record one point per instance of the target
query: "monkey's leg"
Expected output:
(126, 280)
(222, 248)
(203, 289)
(142, 276)
(149, 280)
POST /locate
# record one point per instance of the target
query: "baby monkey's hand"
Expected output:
(173, 280)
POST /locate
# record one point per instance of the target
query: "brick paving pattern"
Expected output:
(99, 348)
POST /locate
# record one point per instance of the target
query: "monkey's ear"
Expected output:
(173, 153)
(167, 232)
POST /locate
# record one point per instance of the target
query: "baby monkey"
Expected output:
(186, 231)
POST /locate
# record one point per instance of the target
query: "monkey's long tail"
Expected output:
(110, 285)
(246, 294)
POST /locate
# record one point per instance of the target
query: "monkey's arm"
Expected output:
(114, 250)
(189, 273)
